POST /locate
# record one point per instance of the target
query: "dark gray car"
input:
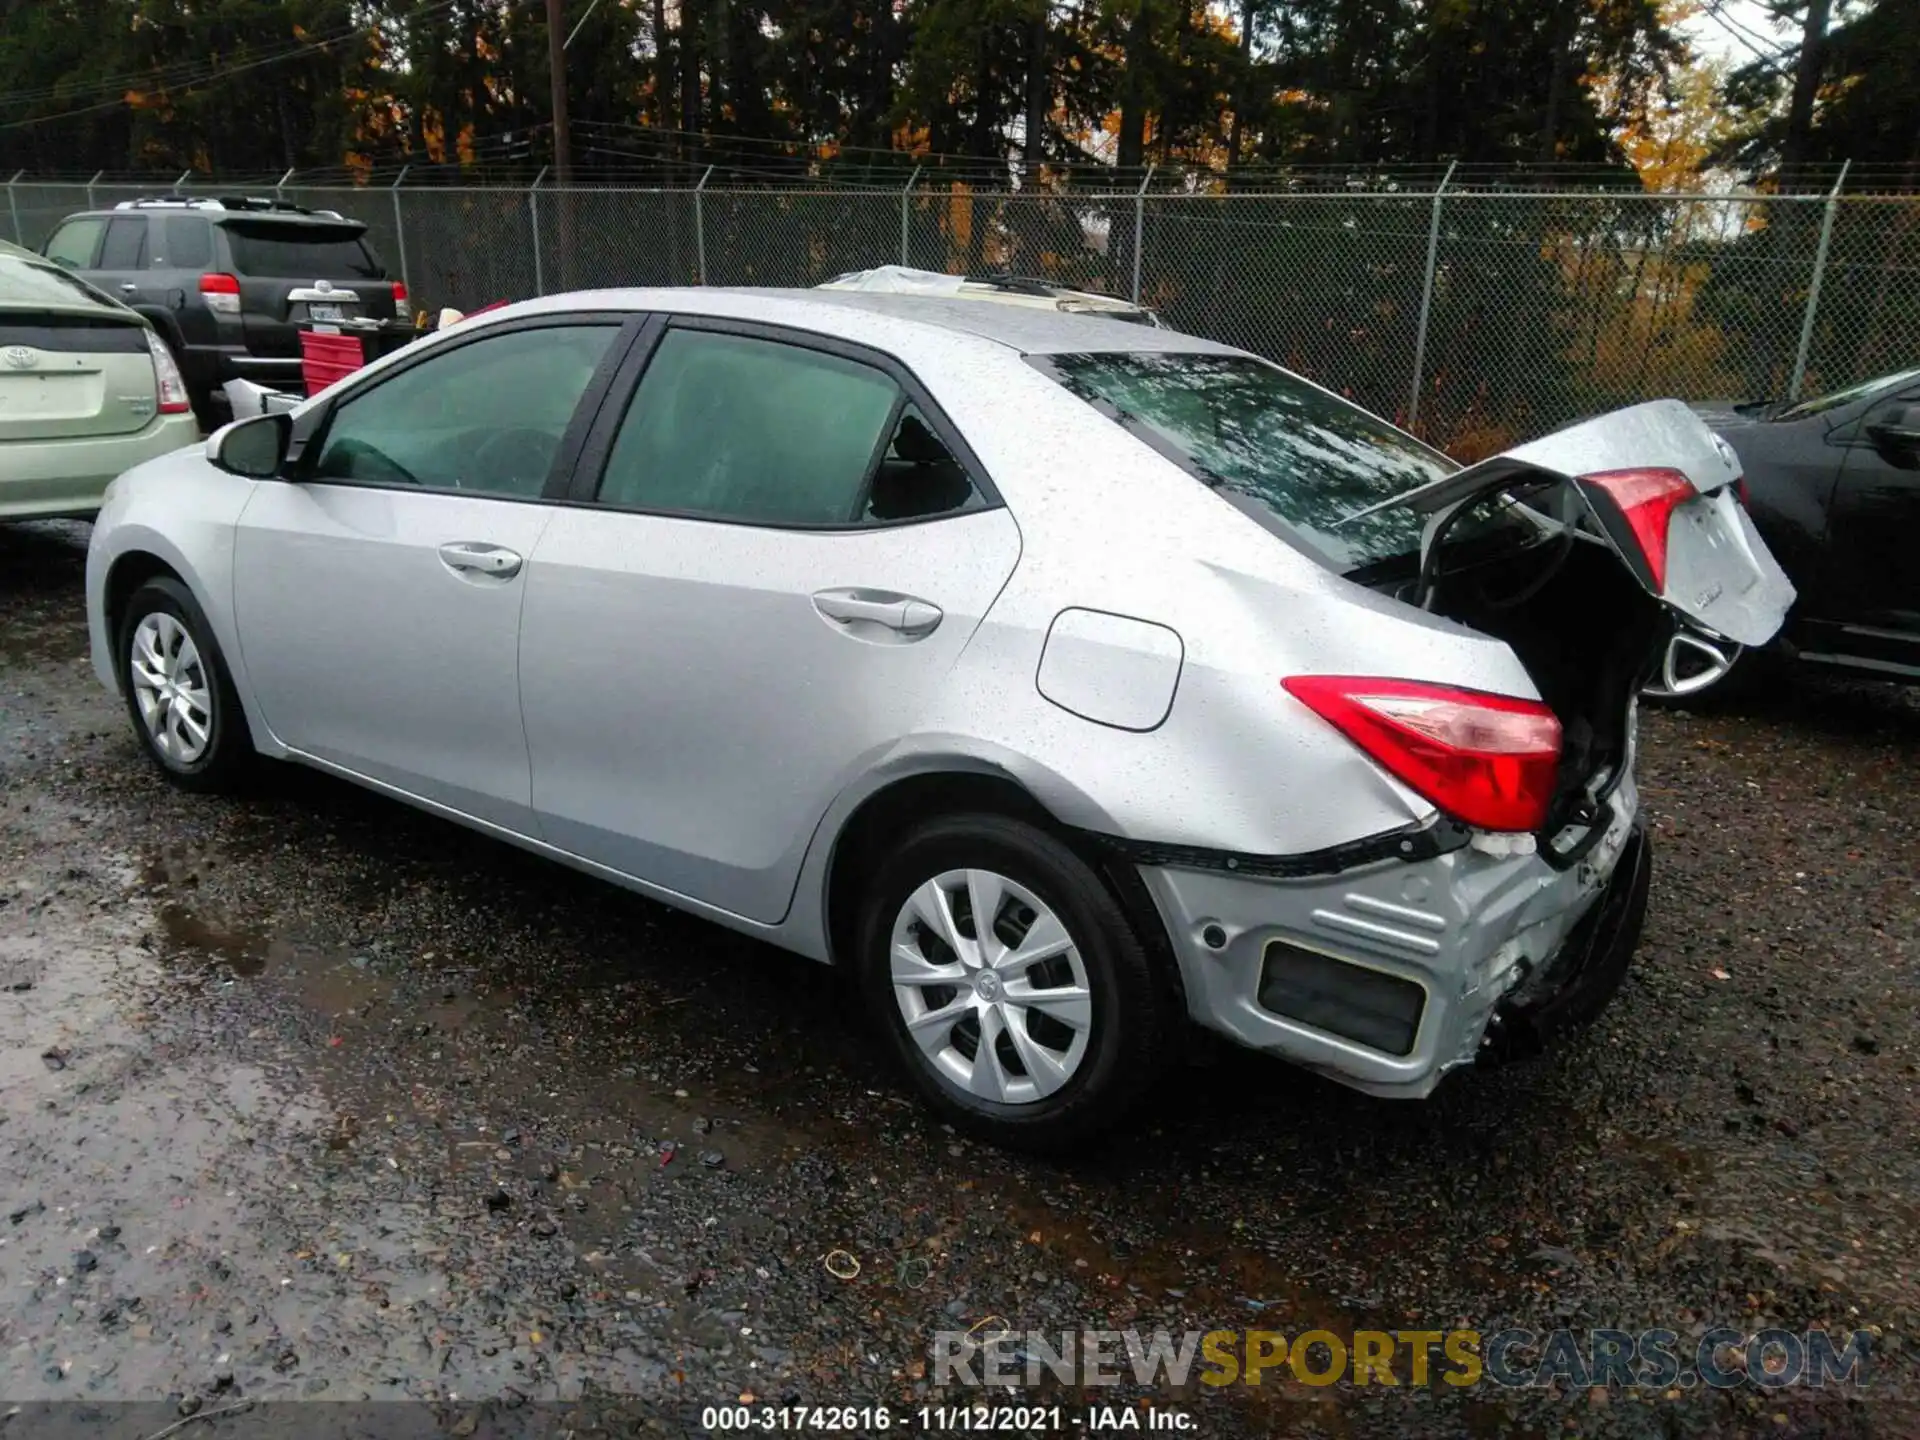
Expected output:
(227, 282)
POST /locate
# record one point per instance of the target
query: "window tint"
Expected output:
(1292, 456)
(73, 243)
(485, 416)
(186, 243)
(301, 252)
(745, 429)
(126, 247)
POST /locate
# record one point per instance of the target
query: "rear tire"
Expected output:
(178, 692)
(1043, 1032)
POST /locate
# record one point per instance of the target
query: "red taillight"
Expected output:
(1648, 499)
(1740, 489)
(221, 292)
(399, 293)
(1487, 760)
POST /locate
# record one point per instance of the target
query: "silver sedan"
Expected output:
(1063, 680)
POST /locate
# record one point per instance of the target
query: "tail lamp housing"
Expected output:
(1647, 499)
(221, 292)
(1489, 761)
(169, 386)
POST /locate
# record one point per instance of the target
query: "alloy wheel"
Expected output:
(172, 689)
(991, 986)
(1694, 662)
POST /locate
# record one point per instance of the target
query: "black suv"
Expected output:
(228, 281)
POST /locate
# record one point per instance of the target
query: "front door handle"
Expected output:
(902, 614)
(128, 289)
(475, 558)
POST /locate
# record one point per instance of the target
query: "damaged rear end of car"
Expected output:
(1489, 666)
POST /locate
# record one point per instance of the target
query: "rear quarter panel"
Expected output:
(1108, 525)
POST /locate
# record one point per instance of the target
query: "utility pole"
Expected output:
(557, 57)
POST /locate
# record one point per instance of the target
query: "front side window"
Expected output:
(1297, 459)
(485, 416)
(743, 429)
(73, 243)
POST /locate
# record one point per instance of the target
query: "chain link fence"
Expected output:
(1476, 315)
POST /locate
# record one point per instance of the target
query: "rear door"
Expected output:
(783, 551)
(121, 270)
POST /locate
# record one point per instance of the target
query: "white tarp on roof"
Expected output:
(899, 280)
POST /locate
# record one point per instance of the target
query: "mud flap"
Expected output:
(1586, 972)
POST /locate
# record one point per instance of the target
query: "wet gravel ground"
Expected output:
(309, 1096)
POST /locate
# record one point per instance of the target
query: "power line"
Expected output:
(190, 75)
(1768, 53)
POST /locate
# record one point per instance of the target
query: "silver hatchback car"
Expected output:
(1060, 679)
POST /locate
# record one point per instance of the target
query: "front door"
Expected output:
(1873, 535)
(378, 593)
(786, 552)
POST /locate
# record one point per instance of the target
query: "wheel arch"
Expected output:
(958, 784)
(148, 556)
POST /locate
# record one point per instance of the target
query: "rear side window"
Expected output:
(759, 431)
(186, 243)
(126, 246)
(1298, 460)
(73, 243)
(301, 252)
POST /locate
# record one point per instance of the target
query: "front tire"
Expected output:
(1038, 1026)
(178, 691)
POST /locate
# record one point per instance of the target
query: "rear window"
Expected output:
(1295, 458)
(301, 252)
(23, 285)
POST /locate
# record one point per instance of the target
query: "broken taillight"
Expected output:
(1487, 760)
(1647, 498)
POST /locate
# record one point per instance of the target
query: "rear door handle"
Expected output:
(128, 289)
(475, 558)
(900, 613)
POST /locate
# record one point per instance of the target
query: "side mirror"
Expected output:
(1896, 430)
(254, 448)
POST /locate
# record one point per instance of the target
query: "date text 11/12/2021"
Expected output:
(944, 1419)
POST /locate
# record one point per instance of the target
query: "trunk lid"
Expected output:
(71, 375)
(1699, 555)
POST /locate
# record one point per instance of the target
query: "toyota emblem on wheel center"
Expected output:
(22, 357)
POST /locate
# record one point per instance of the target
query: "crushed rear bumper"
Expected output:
(1390, 974)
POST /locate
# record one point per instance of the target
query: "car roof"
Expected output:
(1031, 330)
(225, 212)
(874, 318)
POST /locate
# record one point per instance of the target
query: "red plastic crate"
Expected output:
(327, 358)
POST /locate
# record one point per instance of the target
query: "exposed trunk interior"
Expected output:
(1582, 624)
